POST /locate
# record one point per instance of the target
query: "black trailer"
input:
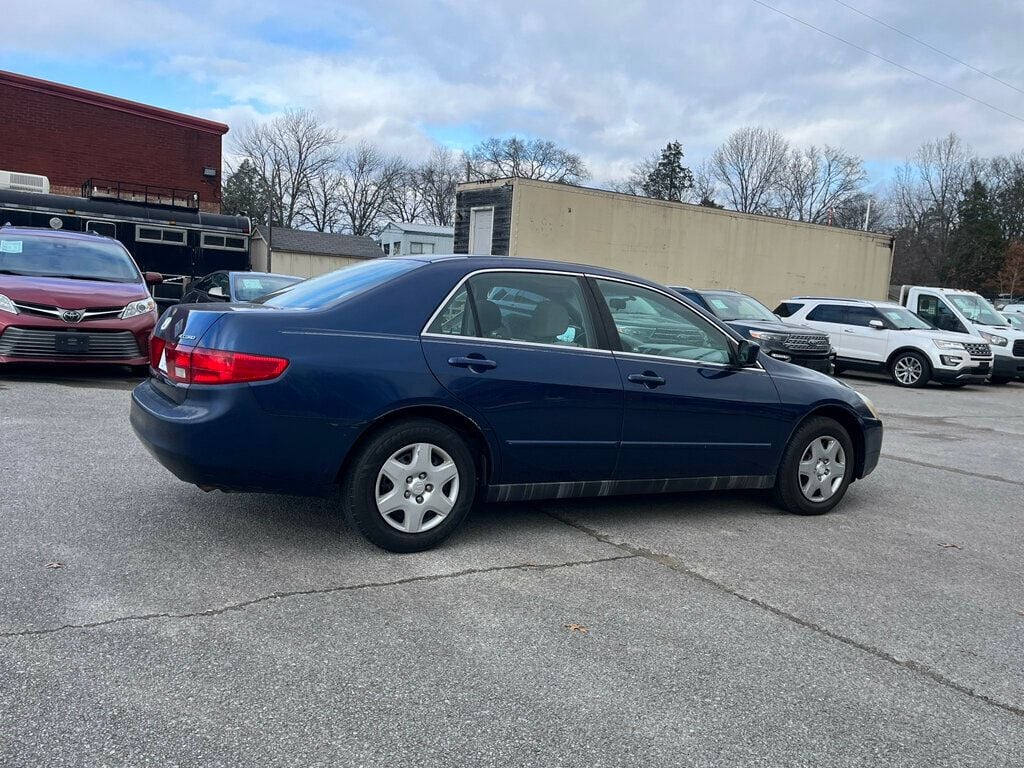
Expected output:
(181, 243)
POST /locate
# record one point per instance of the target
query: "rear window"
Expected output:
(337, 286)
(787, 308)
(828, 313)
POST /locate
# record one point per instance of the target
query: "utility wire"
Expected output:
(1018, 118)
(930, 47)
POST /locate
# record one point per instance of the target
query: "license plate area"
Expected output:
(71, 343)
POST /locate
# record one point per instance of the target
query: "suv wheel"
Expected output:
(410, 486)
(910, 369)
(816, 468)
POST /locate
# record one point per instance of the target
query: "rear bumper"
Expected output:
(872, 446)
(224, 440)
(33, 339)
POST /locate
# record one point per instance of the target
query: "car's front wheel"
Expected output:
(910, 369)
(410, 485)
(816, 469)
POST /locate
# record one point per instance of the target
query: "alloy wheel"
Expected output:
(417, 488)
(908, 370)
(822, 468)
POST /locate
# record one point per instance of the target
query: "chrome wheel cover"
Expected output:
(908, 370)
(417, 488)
(822, 469)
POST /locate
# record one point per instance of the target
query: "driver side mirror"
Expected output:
(746, 353)
(153, 278)
(878, 325)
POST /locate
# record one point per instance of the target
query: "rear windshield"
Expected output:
(337, 286)
(35, 256)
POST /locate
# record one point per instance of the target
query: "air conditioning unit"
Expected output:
(24, 182)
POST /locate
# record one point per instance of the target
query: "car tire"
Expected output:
(999, 380)
(910, 369)
(799, 488)
(420, 514)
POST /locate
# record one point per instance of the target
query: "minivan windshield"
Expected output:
(737, 306)
(977, 310)
(72, 257)
(340, 285)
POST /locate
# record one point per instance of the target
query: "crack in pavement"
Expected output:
(954, 470)
(303, 592)
(674, 564)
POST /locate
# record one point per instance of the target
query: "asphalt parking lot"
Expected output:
(144, 622)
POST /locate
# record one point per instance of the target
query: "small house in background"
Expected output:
(402, 239)
(307, 253)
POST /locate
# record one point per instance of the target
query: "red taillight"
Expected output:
(195, 365)
(156, 349)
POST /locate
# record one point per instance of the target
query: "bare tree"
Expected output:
(748, 166)
(321, 204)
(497, 158)
(406, 201)
(368, 182)
(438, 178)
(816, 182)
(289, 153)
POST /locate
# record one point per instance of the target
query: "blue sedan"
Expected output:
(422, 384)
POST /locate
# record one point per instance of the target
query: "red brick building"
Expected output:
(130, 150)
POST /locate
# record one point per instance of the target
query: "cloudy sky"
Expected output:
(613, 80)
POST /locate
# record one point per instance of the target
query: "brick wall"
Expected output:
(63, 134)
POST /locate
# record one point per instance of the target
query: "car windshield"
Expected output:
(338, 286)
(903, 319)
(72, 257)
(977, 310)
(1014, 321)
(249, 287)
(736, 306)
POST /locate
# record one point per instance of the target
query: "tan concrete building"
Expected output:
(307, 253)
(672, 243)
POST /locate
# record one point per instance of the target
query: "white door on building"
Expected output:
(481, 231)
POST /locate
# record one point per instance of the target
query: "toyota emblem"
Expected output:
(71, 315)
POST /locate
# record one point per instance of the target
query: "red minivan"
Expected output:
(72, 297)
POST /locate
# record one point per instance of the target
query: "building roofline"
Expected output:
(111, 102)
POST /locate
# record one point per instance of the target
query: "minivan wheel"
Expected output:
(816, 469)
(910, 369)
(410, 485)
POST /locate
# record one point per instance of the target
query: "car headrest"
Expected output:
(550, 320)
(489, 315)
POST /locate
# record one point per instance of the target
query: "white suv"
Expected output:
(884, 336)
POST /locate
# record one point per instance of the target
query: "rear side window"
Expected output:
(827, 313)
(787, 308)
(337, 286)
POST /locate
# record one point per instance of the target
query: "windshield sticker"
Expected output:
(10, 246)
(248, 282)
(719, 304)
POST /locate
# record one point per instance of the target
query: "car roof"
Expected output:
(473, 263)
(56, 233)
(836, 300)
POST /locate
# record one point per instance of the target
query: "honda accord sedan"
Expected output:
(423, 384)
(71, 297)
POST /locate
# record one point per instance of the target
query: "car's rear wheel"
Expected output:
(910, 369)
(816, 469)
(410, 485)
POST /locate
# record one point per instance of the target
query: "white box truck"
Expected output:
(967, 312)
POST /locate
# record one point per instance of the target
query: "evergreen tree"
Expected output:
(244, 192)
(669, 179)
(977, 244)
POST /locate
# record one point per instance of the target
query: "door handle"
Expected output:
(648, 378)
(473, 361)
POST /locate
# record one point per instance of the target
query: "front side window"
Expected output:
(538, 308)
(934, 310)
(93, 259)
(650, 323)
(862, 316)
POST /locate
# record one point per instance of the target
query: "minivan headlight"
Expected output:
(140, 307)
(991, 338)
(947, 344)
(778, 338)
(6, 305)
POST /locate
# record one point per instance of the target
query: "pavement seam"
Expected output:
(954, 470)
(674, 564)
(304, 592)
